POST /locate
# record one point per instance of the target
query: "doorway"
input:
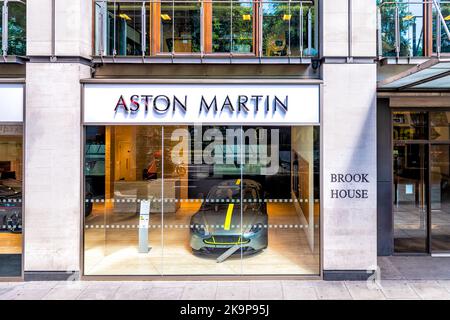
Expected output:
(421, 178)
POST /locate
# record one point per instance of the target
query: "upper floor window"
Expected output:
(13, 27)
(410, 28)
(236, 27)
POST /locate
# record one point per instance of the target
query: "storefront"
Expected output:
(11, 179)
(201, 178)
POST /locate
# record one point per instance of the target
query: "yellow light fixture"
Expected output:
(447, 18)
(287, 17)
(124, 16)
(246, 17)
(408, 17)
(165, 17)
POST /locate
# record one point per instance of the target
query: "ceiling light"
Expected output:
(287, 17)
(124, 16)
(165, 16)
(408, 17)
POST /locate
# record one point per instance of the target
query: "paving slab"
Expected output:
(394, 289)
(335, 290)
(364, 290)
(430, 290)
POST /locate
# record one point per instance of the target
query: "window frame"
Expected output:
(153, 12)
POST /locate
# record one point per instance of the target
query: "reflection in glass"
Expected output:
(439, 34)
(440, 125)
(410, 125)
(242, 28)
(11, 175)
(276, 26)
(440, 198)
(16, 44)
(180, 27)
(118, 28)
(221, 27)
(409, 15)
(410, 198)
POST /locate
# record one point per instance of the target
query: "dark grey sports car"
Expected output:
(233, 214)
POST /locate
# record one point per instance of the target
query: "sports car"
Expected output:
(233, 213)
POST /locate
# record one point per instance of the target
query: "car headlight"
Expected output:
(199, 229)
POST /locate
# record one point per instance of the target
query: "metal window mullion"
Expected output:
(397, 31)
(231, 26)
(173, 27)
(301, 29)
(5, 28)
(310, 29)
(115, 29)
(202, 29)
(103, 31)
(143, 28)
(260, 27)
(289, 29)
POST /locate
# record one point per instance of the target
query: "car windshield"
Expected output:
(230, 192)
(224, 192)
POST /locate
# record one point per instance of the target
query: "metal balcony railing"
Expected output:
(413, 28)
(13, 27)
(155, 28)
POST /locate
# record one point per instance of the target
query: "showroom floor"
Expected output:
(112, 239)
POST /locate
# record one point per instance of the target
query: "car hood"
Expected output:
(216, 215)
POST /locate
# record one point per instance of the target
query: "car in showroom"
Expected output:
(233, 216)
(10, 208)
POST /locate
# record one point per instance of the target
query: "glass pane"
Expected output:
(276, 17)
(16, 28)
(440, 126)
(410, 198)
(202, 192)
(180, 27)
(11, 175)
(129, 28)
(123, 172)
(410, 22)
(105, 24)
(439, 32)
(411, 29)
(280, 209)
(221, 27)
(440, 198)
(242, 27)
(410, 125)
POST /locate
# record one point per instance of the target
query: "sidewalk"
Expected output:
(402, 278)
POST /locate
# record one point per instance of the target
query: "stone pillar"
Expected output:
(52, 134)
(349, 148)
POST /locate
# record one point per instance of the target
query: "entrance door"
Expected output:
(440, 198)
(410, 198)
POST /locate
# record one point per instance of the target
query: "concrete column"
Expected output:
(53, 126)
(349, 156)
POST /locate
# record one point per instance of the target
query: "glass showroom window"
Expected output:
(12, 27)
(11, 175)
(441, 41)
(402, 28)
(241, 27)
(223, 200)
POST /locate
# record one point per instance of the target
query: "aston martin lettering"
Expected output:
(163, 104)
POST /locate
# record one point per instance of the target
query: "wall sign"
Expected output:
(349, 185)
(201, 103)
(11, 102)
